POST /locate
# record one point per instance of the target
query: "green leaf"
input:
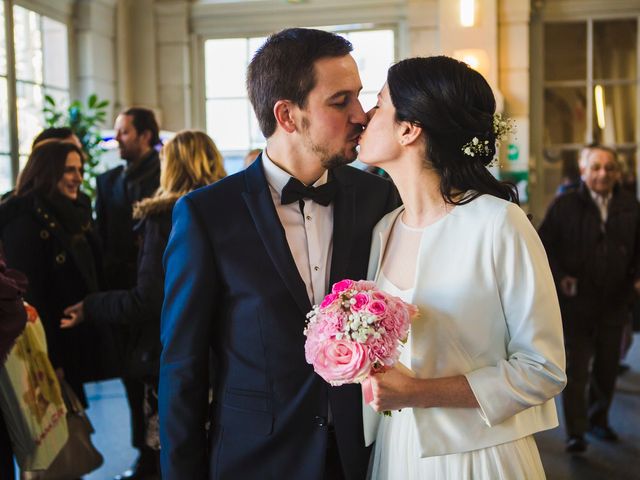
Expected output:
(49, 99)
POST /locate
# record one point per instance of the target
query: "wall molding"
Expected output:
(250, 18)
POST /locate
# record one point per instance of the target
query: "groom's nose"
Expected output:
(358, 116)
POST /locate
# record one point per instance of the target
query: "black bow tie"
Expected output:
(295, 190)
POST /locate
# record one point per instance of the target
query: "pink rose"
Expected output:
(361, 300)
(377, 307)
(328, 300)
(341, 286)
(341, 361)
(379, 296)
(366, 285)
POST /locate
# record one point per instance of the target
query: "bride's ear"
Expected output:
(409, 133)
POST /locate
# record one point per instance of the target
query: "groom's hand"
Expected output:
(393, 390)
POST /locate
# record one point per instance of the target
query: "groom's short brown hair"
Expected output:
(283, 69)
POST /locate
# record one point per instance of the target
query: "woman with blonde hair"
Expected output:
(188, 161)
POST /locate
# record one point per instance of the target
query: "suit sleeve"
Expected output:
(534, 369)
(191, 284)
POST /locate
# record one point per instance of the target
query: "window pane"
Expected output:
(22, 161)
(374, 54)
(368, 100)
(3, 43)
(615, 49)
(56, 55)
(565, 112)
(257, 139)
(228, 123)
(254, 44)
(225, 67)
(28, 44)
(5, 173)
(61, 97)
(30, 117)
(5, 145)
(565, 51)
(614, 114)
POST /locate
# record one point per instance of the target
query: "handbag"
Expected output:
(78, 456)
(31, 400)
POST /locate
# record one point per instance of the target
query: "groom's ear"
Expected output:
(409, 133)
(283, 111)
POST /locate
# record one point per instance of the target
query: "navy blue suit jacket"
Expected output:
(232, 288)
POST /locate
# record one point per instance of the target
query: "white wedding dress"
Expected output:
(397, 449)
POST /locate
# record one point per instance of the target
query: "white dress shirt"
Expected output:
(602, 201)
(310, 238)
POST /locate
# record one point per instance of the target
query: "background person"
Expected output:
(188, 161)
(47, 234)
(592, 237)
(137, 133)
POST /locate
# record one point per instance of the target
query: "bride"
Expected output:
(486, 356)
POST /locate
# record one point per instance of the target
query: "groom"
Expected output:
(247, 258)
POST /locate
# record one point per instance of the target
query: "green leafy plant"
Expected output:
(85, 121)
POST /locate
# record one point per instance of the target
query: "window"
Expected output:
(229, 116)
(590, 91)
(41, 67)
(5, 140)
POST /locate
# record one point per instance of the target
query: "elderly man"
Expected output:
(592, 237)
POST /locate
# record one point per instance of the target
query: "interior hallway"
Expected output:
(110, 417)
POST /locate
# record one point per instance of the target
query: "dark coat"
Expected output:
(140, 306)
(13, 316)
(36, 244)
(605, 258)
(232, 286)
(118, 189)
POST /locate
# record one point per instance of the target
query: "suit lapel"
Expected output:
(344, 218)
(264, 215)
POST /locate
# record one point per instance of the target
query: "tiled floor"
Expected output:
(110, 416)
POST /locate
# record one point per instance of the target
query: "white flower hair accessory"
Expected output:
(502, 128)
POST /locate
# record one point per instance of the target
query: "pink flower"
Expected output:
(328, 300)
(379, 296)
(366, 285)
(341, 286)
(341, 361)
(377, 307)
(361, 300)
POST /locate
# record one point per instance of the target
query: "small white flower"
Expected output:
(475, 140)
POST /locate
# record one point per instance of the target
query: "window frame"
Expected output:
(199, 73)
(563, 13)
(62, 14)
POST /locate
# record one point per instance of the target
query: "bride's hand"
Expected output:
(392, 390)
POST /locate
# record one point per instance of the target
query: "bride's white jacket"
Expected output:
(489, 311)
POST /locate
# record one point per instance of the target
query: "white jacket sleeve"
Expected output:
(533, 371)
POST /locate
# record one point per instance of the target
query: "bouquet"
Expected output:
(356, 329)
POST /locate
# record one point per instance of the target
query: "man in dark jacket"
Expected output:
(592, 238)
(137, 134)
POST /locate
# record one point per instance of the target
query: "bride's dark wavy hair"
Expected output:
(453, 104)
